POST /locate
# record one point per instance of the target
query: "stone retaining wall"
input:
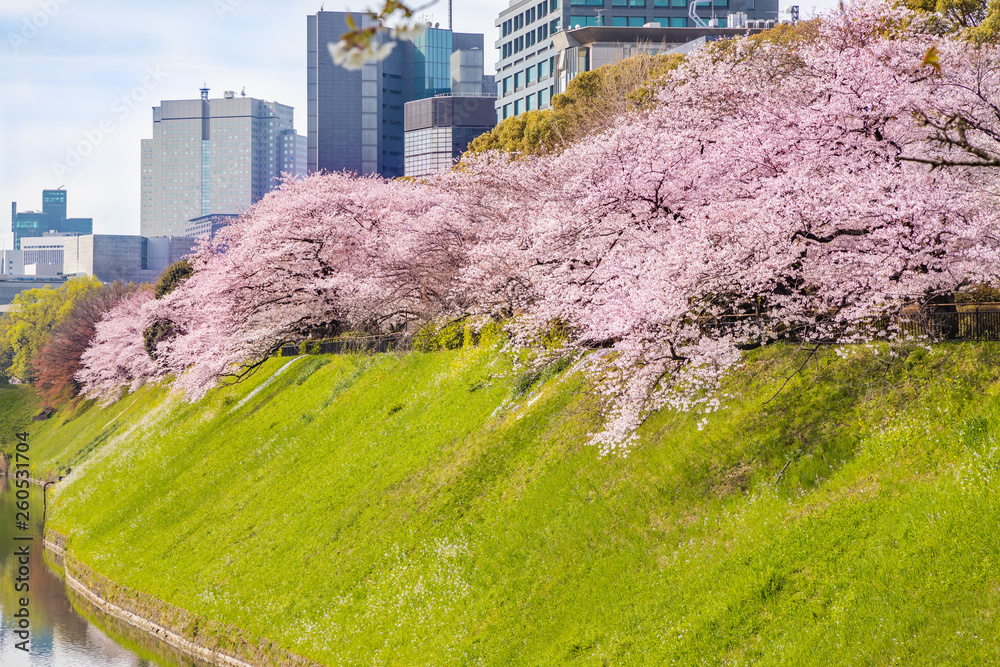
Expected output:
(217, 643)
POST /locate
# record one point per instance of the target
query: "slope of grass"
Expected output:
(419, 509)
(18, 403)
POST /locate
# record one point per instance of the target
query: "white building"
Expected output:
(210, 156)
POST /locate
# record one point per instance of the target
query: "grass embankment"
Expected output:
(18, 403)
(415, 510)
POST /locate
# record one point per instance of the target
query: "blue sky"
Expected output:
(85, 74)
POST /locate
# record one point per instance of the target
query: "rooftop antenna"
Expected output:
(244, 91)
(204, 91)
(600, 16)
(451, 25)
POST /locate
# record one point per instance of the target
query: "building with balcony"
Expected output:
(526, 69)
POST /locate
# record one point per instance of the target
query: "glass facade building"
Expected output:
(52, 218)
(432, 63)
(439, 129)
(356, 117)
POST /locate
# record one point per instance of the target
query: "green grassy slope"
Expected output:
(413, 510)
(18, 403)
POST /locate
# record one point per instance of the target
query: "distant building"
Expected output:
(525, 72)
(214, 156)
(11, 287)
(439, 129)
(52, 218)
(38, 257)
(207, 226)
(111, 257)
(356, 117)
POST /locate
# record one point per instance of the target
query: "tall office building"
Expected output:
(356, 116)
(528, 59)
(52, 218)
(214, 156)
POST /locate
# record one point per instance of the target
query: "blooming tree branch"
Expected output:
(365, 42)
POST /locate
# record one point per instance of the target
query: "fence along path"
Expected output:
(968, 321)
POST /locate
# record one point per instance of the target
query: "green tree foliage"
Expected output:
(33, 314)
(163, 330)
(590, 100)
(175, 274)
(979, 20)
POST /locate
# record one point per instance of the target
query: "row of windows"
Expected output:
(643, 3)
(639, 21)
(654, 3)
(538, 100)
(527, 77)
(527, 17)
(529, 39)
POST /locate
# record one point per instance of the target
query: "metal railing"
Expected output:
(347, 345)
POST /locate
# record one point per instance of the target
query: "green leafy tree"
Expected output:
(25, 328)
(979, 20)
(590, 101)
(175, 274)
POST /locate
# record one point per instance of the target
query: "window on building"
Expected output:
(661, 3)
(553, 5)
(721, 23)
(529, 103)
(619, 21)
(543, 70)
(518, 80)
(554, 26)
(518, 106)
(583, 21)
(637, 21)
(543, 32)
(679, 22)
(507, 83)
(721, 3)
(543, 98)
(529, 75)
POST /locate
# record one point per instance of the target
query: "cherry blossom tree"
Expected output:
(800, 189)
(116, 361)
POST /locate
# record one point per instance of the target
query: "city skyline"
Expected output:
(78, 82)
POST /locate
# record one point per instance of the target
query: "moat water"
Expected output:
(59, 636)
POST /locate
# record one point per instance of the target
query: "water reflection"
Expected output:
(59, 636)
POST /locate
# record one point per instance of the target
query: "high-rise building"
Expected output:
(52, 218)
(356, 117)
(214, 156)
(439, 129)
(528, 59)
